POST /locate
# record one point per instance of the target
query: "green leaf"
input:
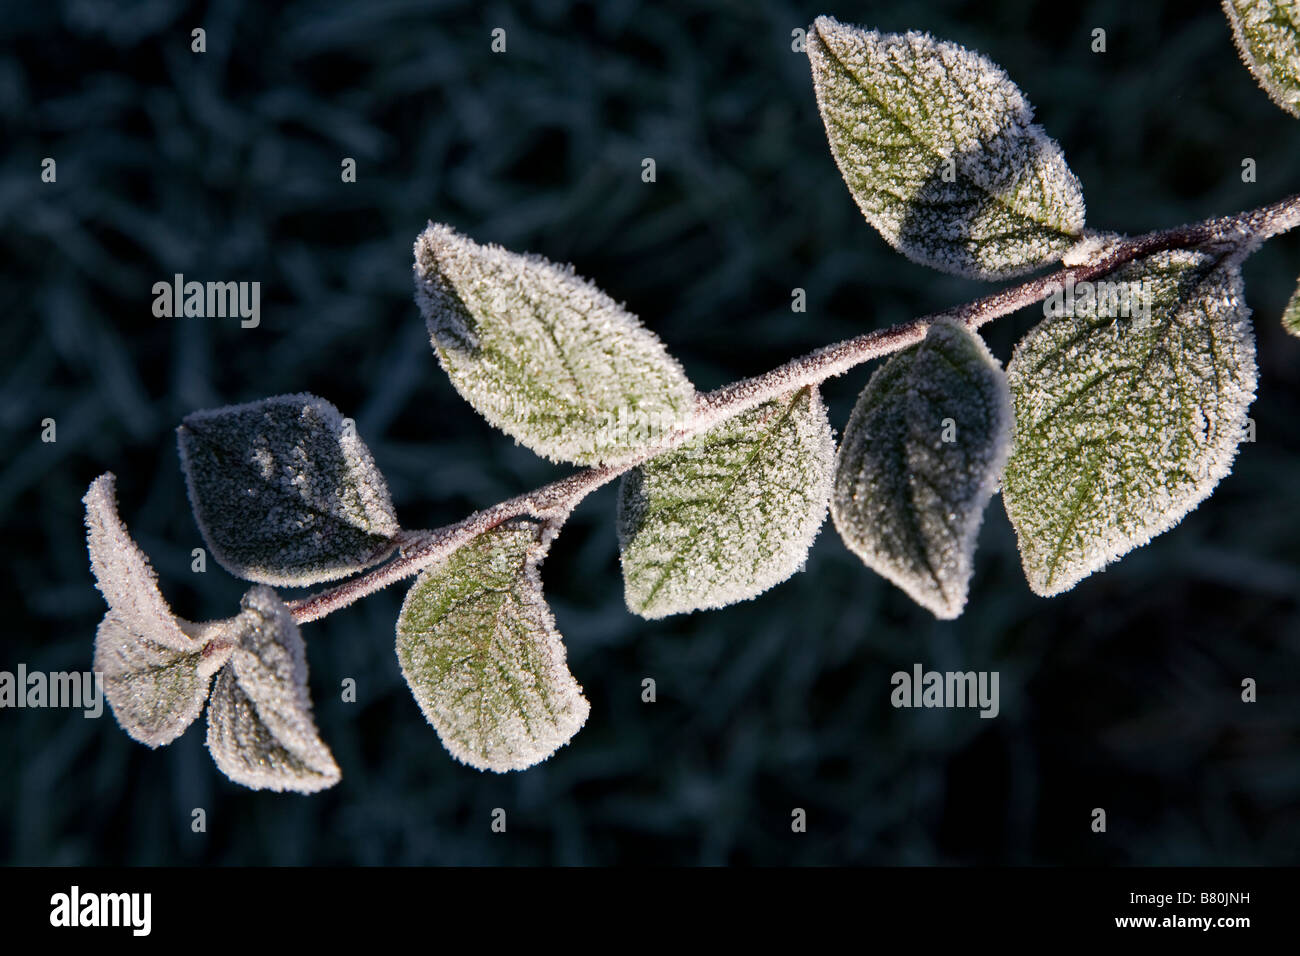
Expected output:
(939, 149)
(1125, 424)
(1291, 316)
(285, 492)
(919, 461)
(479, 649)
(1267, 33)
(156, 666)
(728, 514)
(261, 732)
(543, 354)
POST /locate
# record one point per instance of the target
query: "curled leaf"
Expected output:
(940, 150)
(1267, 34)
(261, 732)
(285, 492)
(728, 514)
(543, 354)
(1128, 411)
(919, 461)
(155, 668)
(479, 649)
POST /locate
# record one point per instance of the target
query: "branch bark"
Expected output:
(1235, 236)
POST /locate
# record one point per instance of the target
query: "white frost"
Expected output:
(730, 513)
(261, 732)
(919, 461)
(1267, 34)
(1124, 424)
(155, 673)
(479, 649)
(940, 150)
(1291, 314)
(543, 354)
(284, 492)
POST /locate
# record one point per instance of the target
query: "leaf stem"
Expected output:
(1238, 235)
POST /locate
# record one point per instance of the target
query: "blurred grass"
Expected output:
(1121, 694)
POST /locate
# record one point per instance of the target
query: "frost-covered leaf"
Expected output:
(285, 492)
(728, 514)
(543, 354)
(156, 672)
(1267, 33)
(479, 649)
(919, 461)
(1291, 315)
(1124, 424)
(940, 150)
(261, 732)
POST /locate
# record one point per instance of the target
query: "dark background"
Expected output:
(1122, 694)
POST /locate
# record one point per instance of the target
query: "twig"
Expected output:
(1238, 235)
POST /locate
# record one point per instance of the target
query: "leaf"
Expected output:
(156, 672)
(479, 649)
(261, 732)
(1267, 34)
(285, 492)
(1291, 316)
(730, 513)
(543, 354)
(1125, 424)
(939, 149)
(919, 461)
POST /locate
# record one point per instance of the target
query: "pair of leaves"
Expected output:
(1267, 34)
(158, 668)
(720, 519)
(1125, 418)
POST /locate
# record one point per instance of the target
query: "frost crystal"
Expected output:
(260, 727)
(479, 649)
(285, 492)
(1291, 316)
(730, 513)
(919, 461)
(543, 354)
(1267, 33)
(940, 151)
(155, 672)
(1124, 423)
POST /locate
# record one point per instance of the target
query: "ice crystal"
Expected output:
(479, 649)
(261, 732)
(1267, 34)
(730, 513)
(940, 151)
(155, 672)
(543, 354)
(1124, 423)
(919, 461)
(285, 492)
